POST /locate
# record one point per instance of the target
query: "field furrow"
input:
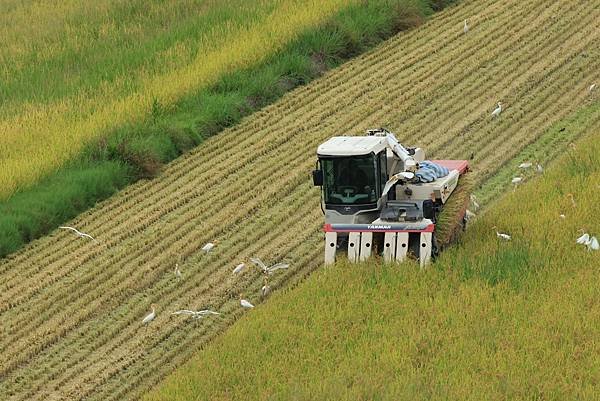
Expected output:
(210, 286)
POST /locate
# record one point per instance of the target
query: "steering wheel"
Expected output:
(348, 190)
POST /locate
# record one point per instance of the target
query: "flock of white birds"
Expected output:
(591, 242)
(244, 303)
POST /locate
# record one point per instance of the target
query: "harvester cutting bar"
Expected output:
(395, 240)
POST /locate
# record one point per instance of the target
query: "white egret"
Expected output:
(265, 290)
(593, 244)
(474, 202)
(562, 216)
(209, 246)
(177, 271)
(239, 268)
(195, 314)
(466, 27)
(584, 239)
(78, 233)
(268, 270)
(245, 303)
(517, 180)
(525, 165)
(150, 316)
(497, 110)
(592, 87)
(184, 312)
(503, 236)
(539, 169)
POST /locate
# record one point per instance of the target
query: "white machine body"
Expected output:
(372, 202)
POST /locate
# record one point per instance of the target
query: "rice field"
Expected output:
(84, 71)
(71, 309)
(491, 320)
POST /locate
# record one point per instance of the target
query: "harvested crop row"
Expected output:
(351, 78)
(71, 309)
(216, 283)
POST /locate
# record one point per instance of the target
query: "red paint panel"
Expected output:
(461, 165)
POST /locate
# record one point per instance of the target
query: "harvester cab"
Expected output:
(379, 197)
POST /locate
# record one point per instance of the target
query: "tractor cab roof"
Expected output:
(352, 146)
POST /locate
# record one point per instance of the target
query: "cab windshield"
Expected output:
(350, 180)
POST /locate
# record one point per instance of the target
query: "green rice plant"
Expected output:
(492, 319)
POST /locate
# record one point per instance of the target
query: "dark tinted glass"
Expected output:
(350, 180)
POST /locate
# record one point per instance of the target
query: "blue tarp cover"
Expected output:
(429, 172)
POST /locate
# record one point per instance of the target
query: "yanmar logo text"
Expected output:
(378, 227)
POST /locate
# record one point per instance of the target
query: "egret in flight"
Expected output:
(196, 314)
(78, 233)
(268, 270)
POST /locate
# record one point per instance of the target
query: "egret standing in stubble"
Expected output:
(150, 316)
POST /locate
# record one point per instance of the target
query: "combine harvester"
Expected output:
(381, 198)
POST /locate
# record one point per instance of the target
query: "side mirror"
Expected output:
(317, 178)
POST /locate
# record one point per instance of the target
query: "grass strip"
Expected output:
(139, 150)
